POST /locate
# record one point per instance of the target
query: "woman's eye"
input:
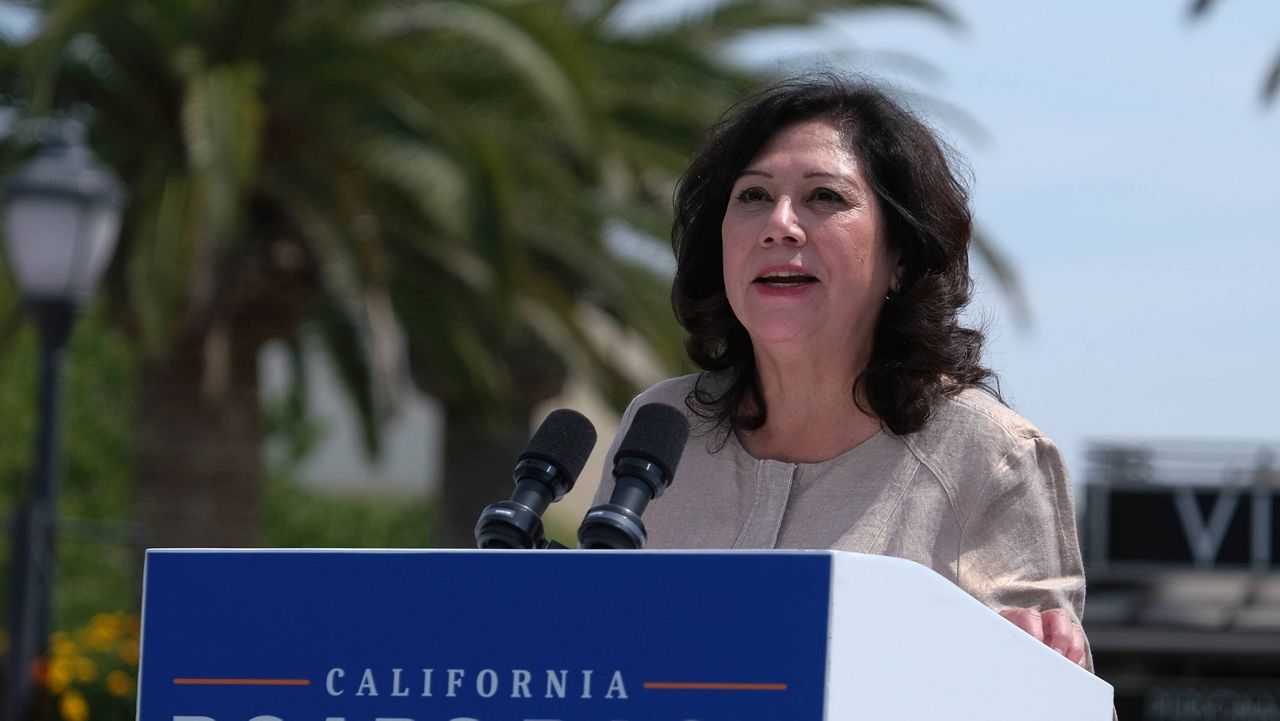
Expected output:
(826, 195)
(752, 195)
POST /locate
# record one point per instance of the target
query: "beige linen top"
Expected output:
(978, 495)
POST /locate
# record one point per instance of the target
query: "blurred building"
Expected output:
(1183, 559)
(339, 463)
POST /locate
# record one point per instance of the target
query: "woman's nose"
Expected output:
(782, 225)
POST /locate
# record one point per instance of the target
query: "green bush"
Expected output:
(296, 517)
(300, 518)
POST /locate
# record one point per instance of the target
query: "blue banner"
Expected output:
(484, 636)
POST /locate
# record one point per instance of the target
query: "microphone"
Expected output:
(543, 474)
(642, 469)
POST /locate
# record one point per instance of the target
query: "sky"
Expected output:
(1128, 170)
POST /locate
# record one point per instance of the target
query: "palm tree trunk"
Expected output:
(199, 459)
(480, 448)
(479, 454)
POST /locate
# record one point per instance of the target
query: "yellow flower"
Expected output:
(103, 630)
(62, 646)
(86, 669)
(129, 652)
(119, 683)
(59, 674)
(73, 706)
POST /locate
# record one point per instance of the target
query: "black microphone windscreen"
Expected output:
(564, 439)
(657, 434)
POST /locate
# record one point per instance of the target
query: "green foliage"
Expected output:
(18, 383)
(296, 517)
(99, 568)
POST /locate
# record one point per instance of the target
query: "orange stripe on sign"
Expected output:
(242, 682)
(687, 686)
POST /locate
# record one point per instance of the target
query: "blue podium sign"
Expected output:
(484, 636)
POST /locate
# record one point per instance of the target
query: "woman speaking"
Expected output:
(822, 263)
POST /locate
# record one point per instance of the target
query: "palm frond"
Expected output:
(222, 120)
(1271, 86)
(489, 27)
(733, 18)
(1200, 7)
(340, 334)
(160, 254)
(436, 181)
(1006, 278)
(43, 54)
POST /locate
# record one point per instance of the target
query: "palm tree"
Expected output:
(290, 160)
(441, 169)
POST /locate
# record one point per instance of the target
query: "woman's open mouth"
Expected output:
(785, 279)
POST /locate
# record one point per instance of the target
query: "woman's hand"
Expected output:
(1054, 627)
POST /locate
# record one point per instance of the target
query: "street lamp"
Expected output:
(61, 216)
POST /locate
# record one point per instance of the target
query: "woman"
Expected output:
(822, 243)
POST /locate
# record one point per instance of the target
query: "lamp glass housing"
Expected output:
(61, 217)
(59, 245)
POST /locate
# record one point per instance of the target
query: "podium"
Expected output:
(329, 635)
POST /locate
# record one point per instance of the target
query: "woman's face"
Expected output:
(805, 258)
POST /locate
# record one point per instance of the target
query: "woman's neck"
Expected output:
(812, 416)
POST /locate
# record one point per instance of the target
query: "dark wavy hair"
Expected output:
(920, 351)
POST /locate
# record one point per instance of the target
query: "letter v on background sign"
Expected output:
(1205, 539)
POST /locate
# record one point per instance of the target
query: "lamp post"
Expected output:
(61, 216)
